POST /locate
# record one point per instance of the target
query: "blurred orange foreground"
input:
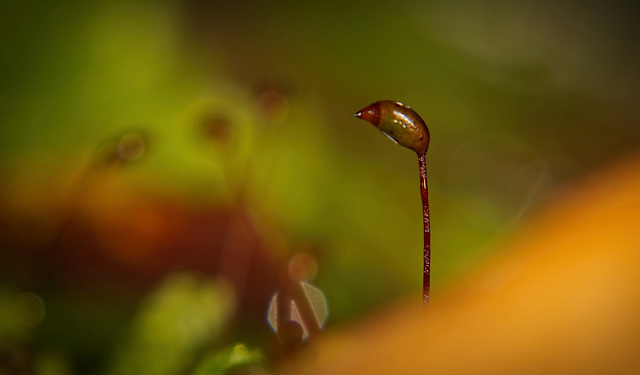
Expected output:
(564, 298)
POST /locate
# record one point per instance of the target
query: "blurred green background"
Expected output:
(162, 161)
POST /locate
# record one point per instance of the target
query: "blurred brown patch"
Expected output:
(111, 239)
(564, 298)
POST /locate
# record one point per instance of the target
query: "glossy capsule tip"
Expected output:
(371, 113)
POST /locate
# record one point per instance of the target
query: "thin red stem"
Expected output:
(424, 194)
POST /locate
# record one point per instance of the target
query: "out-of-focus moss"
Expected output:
(19, 314)
(52, 363)
(236, 360)
(173, 325)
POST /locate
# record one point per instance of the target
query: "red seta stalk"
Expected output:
(424, 194)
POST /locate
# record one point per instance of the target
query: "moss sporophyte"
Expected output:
(405, 127)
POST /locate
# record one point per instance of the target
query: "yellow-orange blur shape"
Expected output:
(563, 298)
